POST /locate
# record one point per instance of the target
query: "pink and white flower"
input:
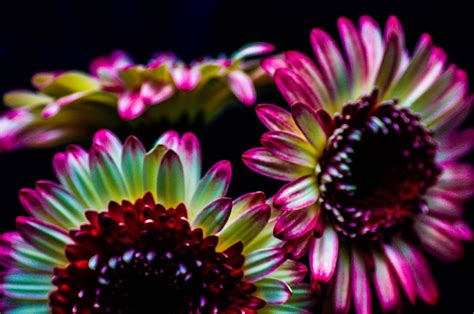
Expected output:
(371, 153)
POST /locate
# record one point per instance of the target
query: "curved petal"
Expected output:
(323, 255)
(170, 185)
(276, 118)
(263, 162)
(298, 194)
(272, 291)
(259, 264)
(214, 216)
(241, 84)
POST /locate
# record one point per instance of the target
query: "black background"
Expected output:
(51, 35)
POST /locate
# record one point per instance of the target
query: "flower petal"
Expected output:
(360, 284)
(311, 125)
(389, 66)
(133, 159)
(303, 66)
(131, 105)
(261, 263)
(214, 216)
(190, 153)
(252, 50)
(290, 147)
(45, 237)
(323, 255)
(294, 224)
(186, 79)
(170, 186)
(245, 202)
(110, 142)
(297, 194)
(29, 287)
(294, 88)
(241, 84)
(245, 227)
(355, 53)
(262, 161)
(153, 93)
(272, 291)
(152, 164)
(106, 175)
(425, 284)
(213, 185)
(291, 272)
(342, 279)
(332, 65)
(373, 46)
(403, 271)
(276, 118)
(385, 284)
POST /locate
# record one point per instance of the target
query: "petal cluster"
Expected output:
(91, 183)
(374, 67)
(118, 90)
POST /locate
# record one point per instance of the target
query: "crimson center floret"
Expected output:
(378, 165)
(141, 257)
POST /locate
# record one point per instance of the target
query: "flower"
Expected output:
(371, 152)
(127, 230)
(120, 93)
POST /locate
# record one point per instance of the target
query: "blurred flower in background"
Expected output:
(120, 93)
(371, 150)
(128, 231)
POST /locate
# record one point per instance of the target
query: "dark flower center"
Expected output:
(376, 169)
(137, 258)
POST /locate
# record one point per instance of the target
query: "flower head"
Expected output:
(371, 153)
(127, 230)
(118, 91)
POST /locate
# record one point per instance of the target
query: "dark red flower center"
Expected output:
(376, 169)
(142, 257)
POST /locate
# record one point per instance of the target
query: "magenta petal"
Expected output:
(403, 271)
(253, 49)
(271, 64)
(153, 93)
(354, 50)
(170, 139)
(361, 292)
(295, 224)
(342, 280)
(106, 139)
(323, 255)
(425, 284)
(385, 284)
(290, 147)
(297, 194)
(262, 161)
(242, 86)
(390, 65)
(276, 118)
(186, 79)
(374, 46)
(297, 248)
(130, 105)
(294, 88)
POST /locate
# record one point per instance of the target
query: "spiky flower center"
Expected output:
(376, 169)
(136, 258)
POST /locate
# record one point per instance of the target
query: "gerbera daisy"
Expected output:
(118, 91)
(129, 231)
(371, 151)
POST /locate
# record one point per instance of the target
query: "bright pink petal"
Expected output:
(271, 64)
(262, 161)
(130, 105)
(373, 46)
(153, 93)
(342, 280)
(276, 118)
(186, 79)
(252, 50)
(385, 284)
(361, 292)
(295, 224)
(297, 194)
(425, 284)
(290, 147)
(323, 255)
(242, 86)
(294, 88)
